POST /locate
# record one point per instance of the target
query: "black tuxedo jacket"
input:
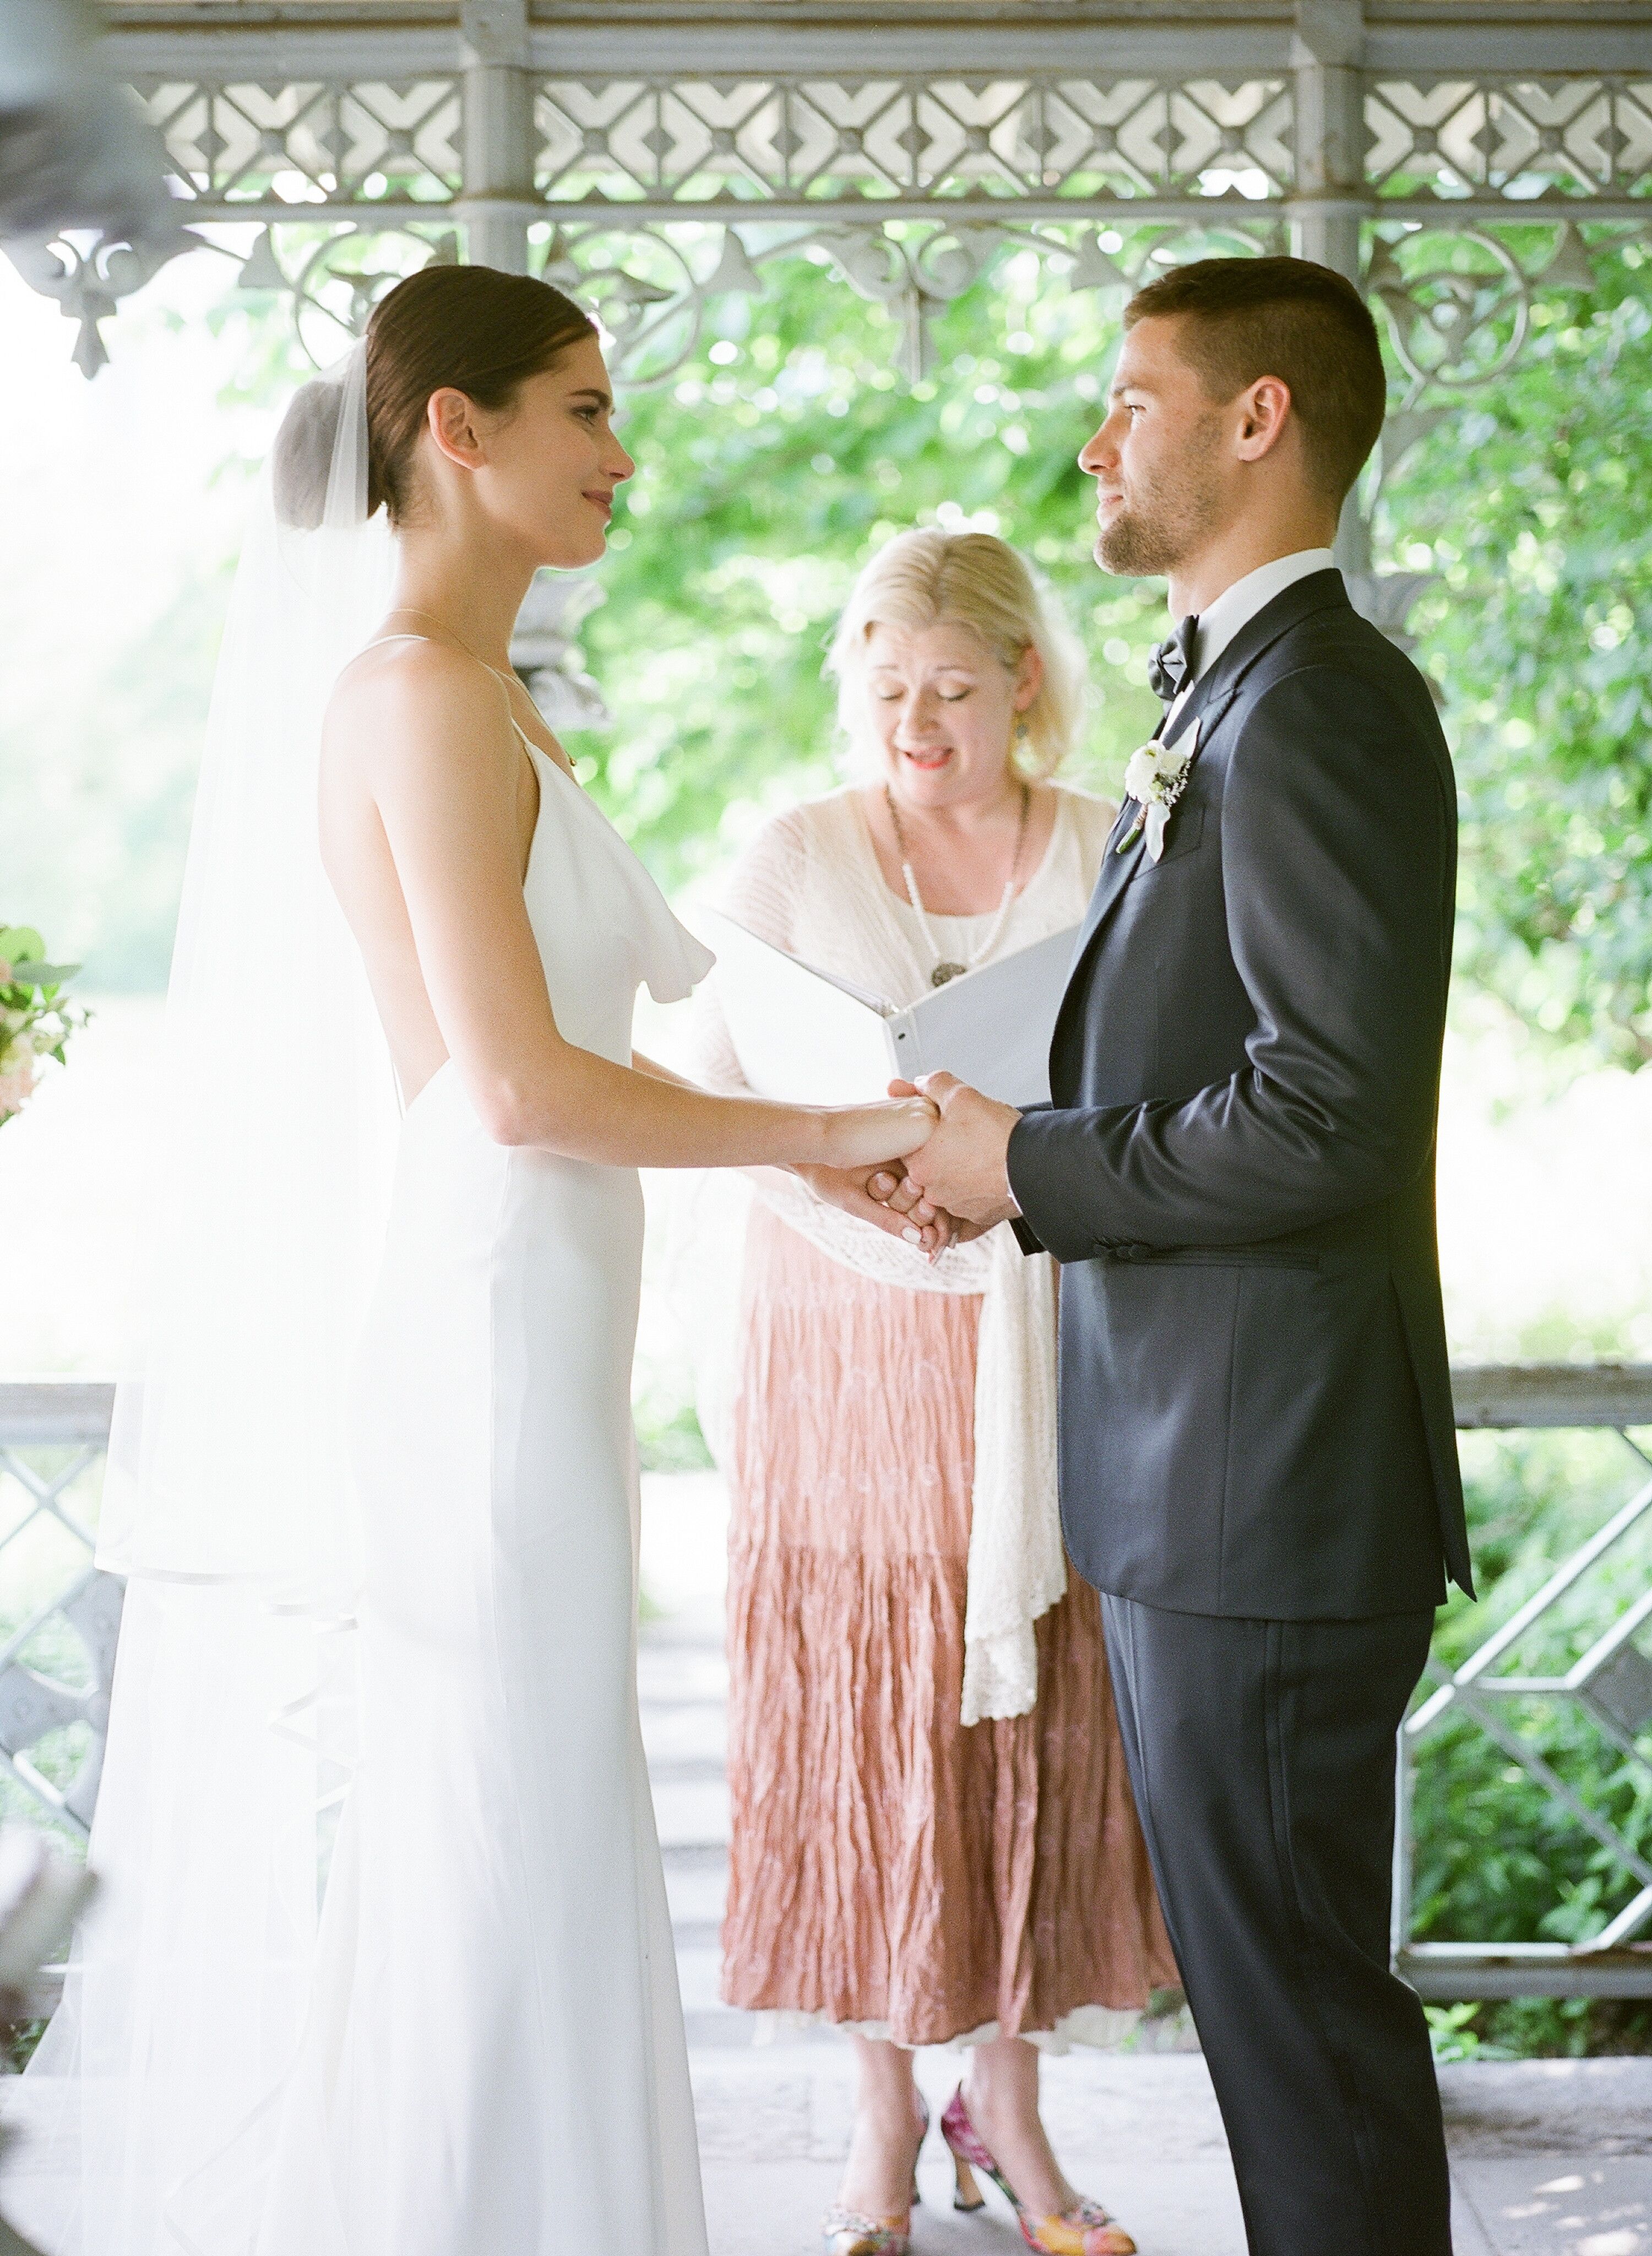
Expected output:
(1237, 1168)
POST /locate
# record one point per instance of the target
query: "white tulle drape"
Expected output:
(227, 1502)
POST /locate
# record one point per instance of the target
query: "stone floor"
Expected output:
(1548, 2158)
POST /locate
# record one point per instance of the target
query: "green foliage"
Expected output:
(668, 1436)
(1531, 506)
(1496, 1859)
(96, 785)
(36, 1021)
(773, 466)
(769, 473)
(1539, 2028)
(1453, 2036)
(789, 448)
(29, 981)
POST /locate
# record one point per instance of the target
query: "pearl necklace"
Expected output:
(945, 970)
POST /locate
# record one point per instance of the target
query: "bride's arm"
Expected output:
(763, 894)
(641, 1064)
(442, 766)
(917, 1223)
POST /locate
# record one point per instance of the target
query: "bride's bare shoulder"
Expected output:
(403, 675)
(415, 702)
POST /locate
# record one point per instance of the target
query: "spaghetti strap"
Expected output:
(527, 742)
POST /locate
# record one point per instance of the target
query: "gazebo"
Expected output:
(1457, 158)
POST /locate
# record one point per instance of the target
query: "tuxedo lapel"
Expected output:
(1115, 874)
(1320, 591)
(1120, 862)
(1216, 689)
(1208, 704)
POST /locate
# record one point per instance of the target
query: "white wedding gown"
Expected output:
(494, 2064)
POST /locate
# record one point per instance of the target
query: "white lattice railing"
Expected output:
(60, 1615)
(1595, 1605)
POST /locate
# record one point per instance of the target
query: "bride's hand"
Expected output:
(850, 1190)
(860, 1135)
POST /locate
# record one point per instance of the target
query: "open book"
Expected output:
(808, 1037)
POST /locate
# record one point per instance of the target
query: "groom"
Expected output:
(1258, 1461)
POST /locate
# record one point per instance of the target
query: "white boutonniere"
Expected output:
(1156, 778)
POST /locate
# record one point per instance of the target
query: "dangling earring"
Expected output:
(1020, 744)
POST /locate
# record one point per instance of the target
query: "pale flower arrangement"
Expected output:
(36, 1022)
(1156, 778)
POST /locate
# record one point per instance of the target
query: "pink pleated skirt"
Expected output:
(891, 1868)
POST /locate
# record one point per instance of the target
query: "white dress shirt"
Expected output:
(1238, 605)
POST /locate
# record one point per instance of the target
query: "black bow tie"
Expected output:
(1170, 665)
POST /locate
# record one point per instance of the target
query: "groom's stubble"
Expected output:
(1169, 514)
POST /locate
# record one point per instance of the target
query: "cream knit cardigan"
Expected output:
(811, 884)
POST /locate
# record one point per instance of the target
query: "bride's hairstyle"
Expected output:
(470, 328)
(927, 576)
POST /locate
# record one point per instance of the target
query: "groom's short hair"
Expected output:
(1246, 318)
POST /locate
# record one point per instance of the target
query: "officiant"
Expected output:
(933, 1842)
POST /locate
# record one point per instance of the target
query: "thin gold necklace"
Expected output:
(410, 611)
(944, 968)
(511, 681)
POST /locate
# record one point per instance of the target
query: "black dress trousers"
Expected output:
(1262, 1758)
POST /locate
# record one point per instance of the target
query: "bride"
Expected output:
(480, 2048)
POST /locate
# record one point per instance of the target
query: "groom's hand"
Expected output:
(964, 1168)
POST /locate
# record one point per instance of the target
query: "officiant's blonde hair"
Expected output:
(974, 580)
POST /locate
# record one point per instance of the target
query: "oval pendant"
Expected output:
(943, 972)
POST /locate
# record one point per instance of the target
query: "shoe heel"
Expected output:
(968, 2197)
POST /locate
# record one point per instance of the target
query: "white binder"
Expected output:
(808, 1037)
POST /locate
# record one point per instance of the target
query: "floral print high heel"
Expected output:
(1084, 2229)
(848, 2233)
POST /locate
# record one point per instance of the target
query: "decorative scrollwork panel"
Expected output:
(805, 140)
(1458, 312)
(653, 282)
(309, 143)
(1517, 138)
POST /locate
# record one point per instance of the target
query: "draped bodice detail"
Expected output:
(602, 925)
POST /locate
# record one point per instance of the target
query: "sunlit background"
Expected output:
(769, 470)
(773, 461)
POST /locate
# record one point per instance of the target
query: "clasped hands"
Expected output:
(949, 1190)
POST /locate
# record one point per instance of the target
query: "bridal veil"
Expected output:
(227, 1503)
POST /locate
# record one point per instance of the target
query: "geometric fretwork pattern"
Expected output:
(57, 1660)
(802, 140)
(1513, 137)
(1584, 1628)
(311, 143)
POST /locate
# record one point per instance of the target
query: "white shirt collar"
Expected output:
(1238, 605)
